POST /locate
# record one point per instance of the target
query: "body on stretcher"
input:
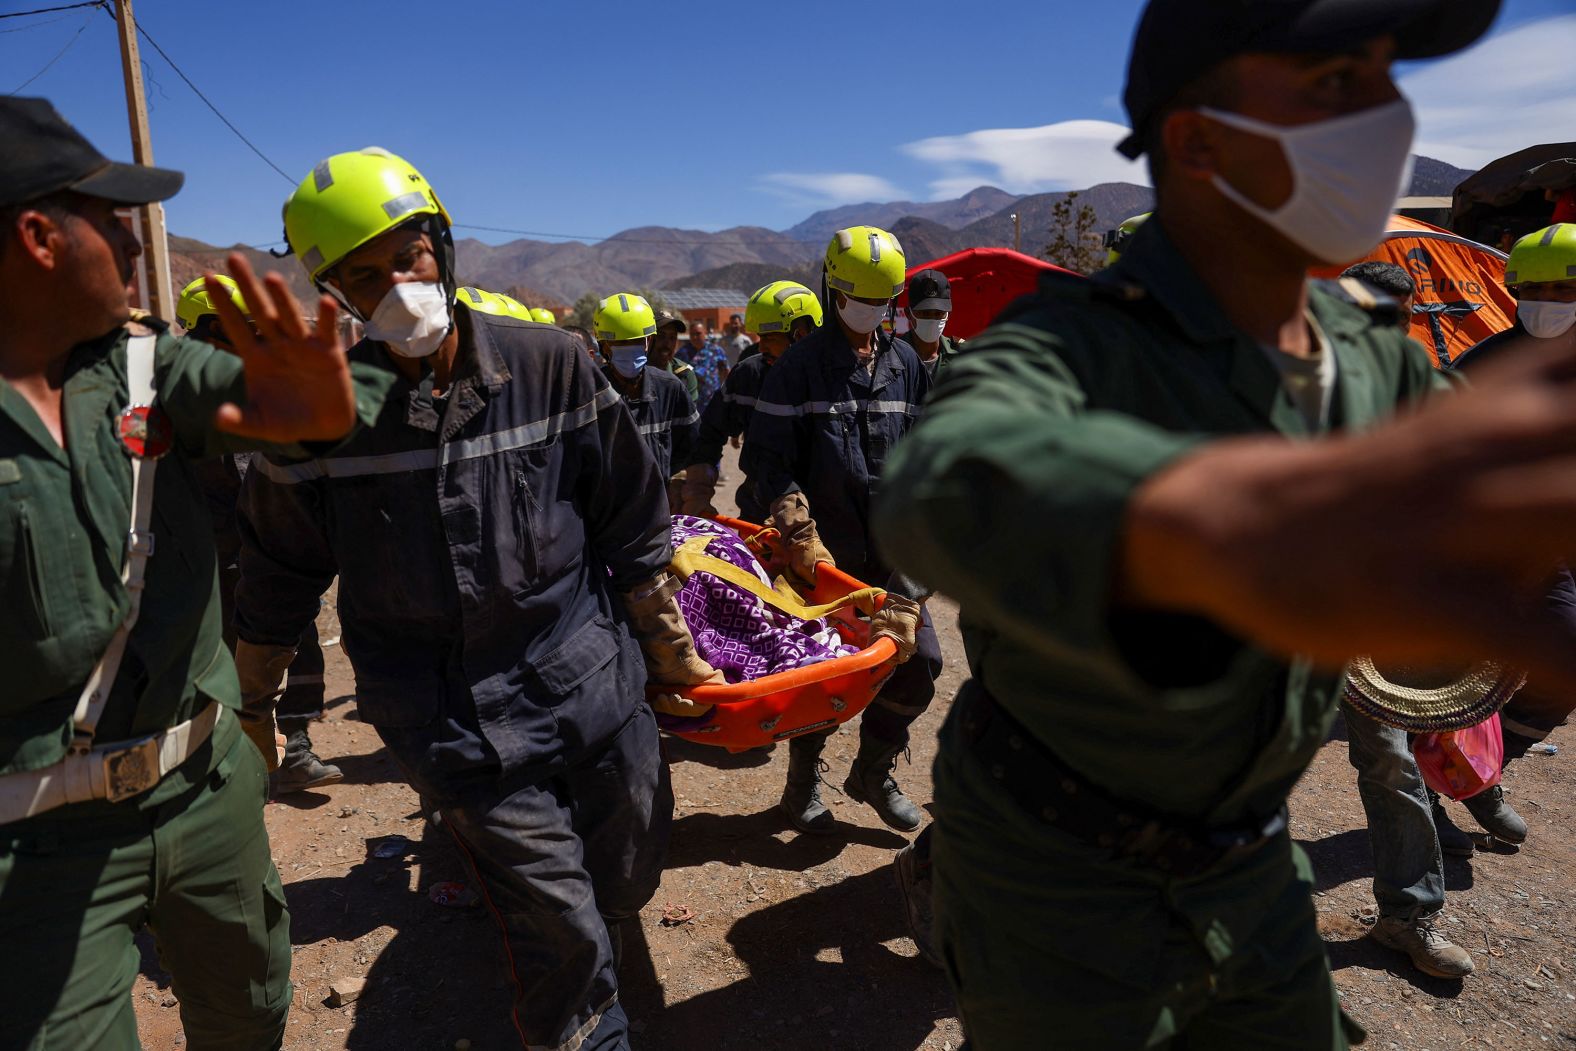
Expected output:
(781, 705)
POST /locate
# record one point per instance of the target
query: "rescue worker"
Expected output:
(220, 478)
(1111, 859)
(778, 315)
(663, 412)
(128, 794)
(1116, 241)
(929, 305)
(829, 412)
(1541, 274)
(501, 543)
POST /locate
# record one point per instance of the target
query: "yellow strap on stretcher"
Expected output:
(691, 558)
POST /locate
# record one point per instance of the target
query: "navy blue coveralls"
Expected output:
(664, 415)
(824, 424)
(727, 415)
(480, 539)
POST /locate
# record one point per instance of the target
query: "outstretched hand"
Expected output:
(297, 381)
(1426, 541)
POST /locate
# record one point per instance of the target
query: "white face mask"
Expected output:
(863, 318)
(928, 330)
(1545, 320)
(412, 319)
(1346, 175)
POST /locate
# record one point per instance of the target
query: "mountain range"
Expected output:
(746, 257)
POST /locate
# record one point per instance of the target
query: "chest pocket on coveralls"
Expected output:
(546, 543)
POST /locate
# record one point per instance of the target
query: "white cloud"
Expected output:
(829, 189)
(1068, 155)
(1514, 90)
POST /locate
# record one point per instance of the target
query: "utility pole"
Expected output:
(1017, 233)
(155, 242)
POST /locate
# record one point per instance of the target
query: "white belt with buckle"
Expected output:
(111, 771)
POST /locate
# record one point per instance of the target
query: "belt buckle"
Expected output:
(131, 770)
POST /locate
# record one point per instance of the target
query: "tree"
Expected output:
(585, 307)
(1075, 244)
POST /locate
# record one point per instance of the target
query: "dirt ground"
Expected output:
(798, 941)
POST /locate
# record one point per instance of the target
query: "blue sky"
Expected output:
(592, 118)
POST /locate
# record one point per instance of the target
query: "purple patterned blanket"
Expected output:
(735, 632)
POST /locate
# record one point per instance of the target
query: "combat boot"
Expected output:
(802, 794)
(913, 882)
(1431, 952)
(301, 769)
(1497, 818)
(1451, 839)
(870, 781)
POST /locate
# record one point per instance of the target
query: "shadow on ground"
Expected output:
(820, 975)
(1346, 857)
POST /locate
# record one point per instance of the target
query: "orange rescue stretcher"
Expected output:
(776, 707)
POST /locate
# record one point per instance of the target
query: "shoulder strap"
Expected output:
(139, 547)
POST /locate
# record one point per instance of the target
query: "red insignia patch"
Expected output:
(146, 432)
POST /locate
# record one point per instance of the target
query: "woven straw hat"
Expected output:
(1429, 700)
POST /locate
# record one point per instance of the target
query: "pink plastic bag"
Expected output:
(1462, 763)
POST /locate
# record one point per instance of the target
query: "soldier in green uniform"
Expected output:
(929, 305)
(129, 795)
(1128, 486)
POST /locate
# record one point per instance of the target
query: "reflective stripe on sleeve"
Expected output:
(826, 408)
(526, 434)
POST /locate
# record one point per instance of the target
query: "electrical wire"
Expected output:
(35, 25)
(51, 10)
(589, 238)
(58, 56)
(209, 103)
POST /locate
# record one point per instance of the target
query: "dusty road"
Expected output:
(798, 941)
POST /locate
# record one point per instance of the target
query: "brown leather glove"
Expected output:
(675, 491)
(665, 638)
(262, 671)
(899, 620)
(791, 515)
(700, 486)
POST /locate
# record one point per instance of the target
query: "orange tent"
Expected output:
(1461, 297)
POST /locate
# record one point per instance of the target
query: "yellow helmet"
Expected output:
(543, 315)
(866, 262)
(778, 305)
(624, 316)
(514, 308)
(1116, 240)
(483, 301)
(349, 199)
(1544, 255)
(195, 302)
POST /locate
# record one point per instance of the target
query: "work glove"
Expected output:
(675, 490)
(667, 645)
(898, 619)
(700, 485)
(262, 671)
(791, 515)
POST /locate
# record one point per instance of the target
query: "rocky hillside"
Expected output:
(747, 257)
(975, 205)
